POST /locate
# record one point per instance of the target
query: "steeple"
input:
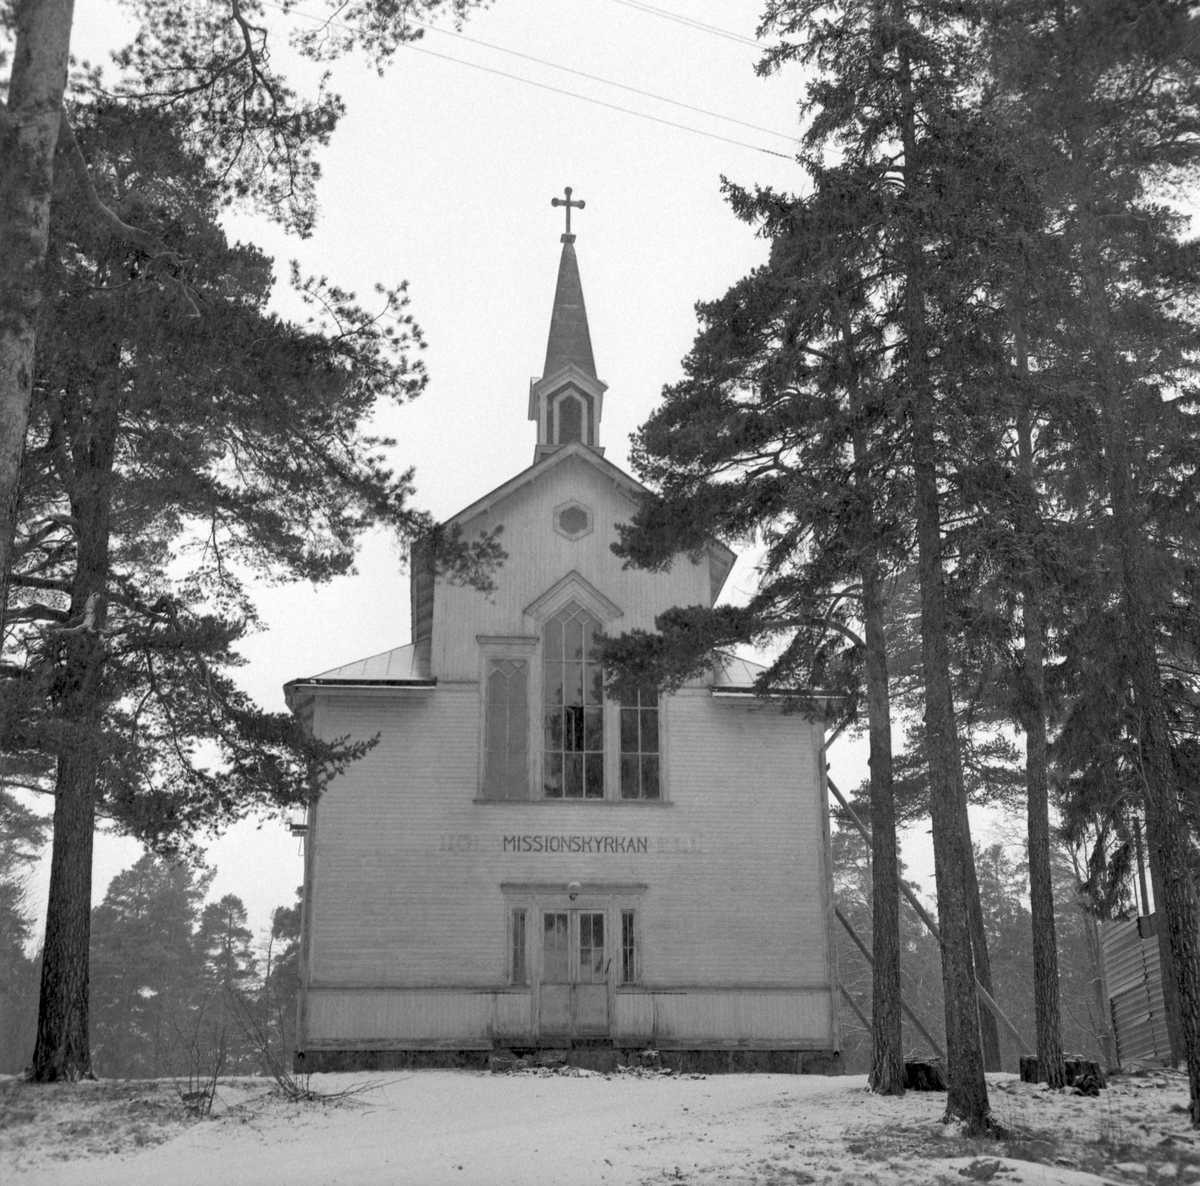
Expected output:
(569, 337)
(566, 401)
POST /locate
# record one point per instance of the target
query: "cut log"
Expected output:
(924, 1076)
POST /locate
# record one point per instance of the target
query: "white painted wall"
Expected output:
(409, 867)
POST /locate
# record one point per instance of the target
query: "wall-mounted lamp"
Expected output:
(573, 890)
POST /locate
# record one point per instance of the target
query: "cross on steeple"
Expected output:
(568, 203)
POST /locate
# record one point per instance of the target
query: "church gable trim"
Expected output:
(630, 486)
(574, 587)
(544, 389)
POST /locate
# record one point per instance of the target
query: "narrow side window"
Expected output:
(628, 948)
(517, 973)
(639, 745)
(506, 725)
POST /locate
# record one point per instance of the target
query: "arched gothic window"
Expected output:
(573, 706)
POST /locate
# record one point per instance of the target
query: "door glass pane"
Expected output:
(519, 975)
(591, 948)
(555, 949)
(628, 948)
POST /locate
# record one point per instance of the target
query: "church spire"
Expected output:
(569, 340)
(566, 401)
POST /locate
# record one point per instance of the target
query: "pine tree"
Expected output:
(778, 429)
(144, 965)
(208, 65)
(1105, 100)
(168, 457)
(891, 94)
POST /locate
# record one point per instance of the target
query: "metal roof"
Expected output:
(731, 673)
(400, 665)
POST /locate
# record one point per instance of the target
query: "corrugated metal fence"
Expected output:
(1135, 995)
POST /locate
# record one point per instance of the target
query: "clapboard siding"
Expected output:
(410, 882)
(742, 1017)
(536, 551)
(407, 868)
(777, 1019)
(383, 1019)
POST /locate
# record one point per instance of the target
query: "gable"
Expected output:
(557, 521)
(577, 497)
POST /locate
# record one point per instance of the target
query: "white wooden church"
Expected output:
(522, 862)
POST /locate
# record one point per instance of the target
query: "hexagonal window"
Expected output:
(572, 519)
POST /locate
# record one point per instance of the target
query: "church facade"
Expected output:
(523, 862)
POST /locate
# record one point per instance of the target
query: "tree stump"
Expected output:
(1079, 1071)
(924, 1076)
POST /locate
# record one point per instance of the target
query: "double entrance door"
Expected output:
(575, 965)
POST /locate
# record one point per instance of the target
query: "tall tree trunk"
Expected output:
(29, 125)
(62, 1050)
(1037, 762)
(1168, 833)
(887, 1036)
(887, 1058)
(966, 1097)
(967, 1089)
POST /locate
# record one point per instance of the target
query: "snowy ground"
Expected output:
(541, 1129)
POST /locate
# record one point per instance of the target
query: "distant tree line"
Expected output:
(1004, 893)
(178, 984)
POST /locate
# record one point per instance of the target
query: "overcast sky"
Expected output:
(441, 173)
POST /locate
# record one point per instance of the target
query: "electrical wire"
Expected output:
(545, 86)
(606, 81)
(689, 22)
(562, 90)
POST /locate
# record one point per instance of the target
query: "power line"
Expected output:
(689, 22)
(562, 90)
(598, 102)
(606, 81)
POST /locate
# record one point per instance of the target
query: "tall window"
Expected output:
(573, 713)
(570, 420)
(506, 724)
(639, 745)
